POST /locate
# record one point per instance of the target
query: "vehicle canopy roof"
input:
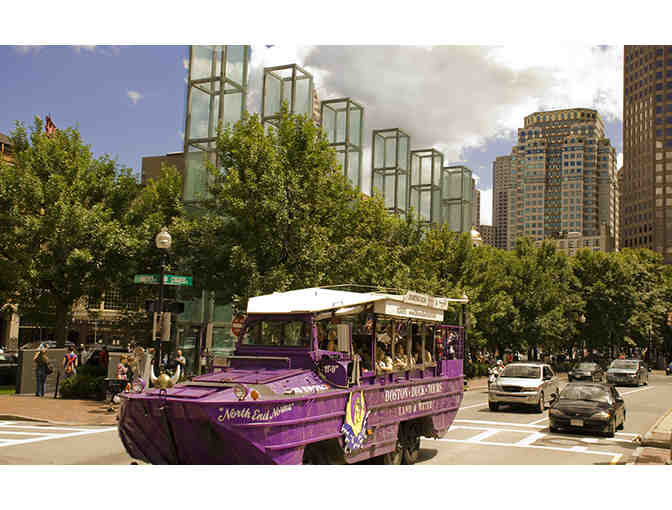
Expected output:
(342, 302)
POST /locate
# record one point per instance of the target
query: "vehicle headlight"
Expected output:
(632, 375)
(601, 415)
(240, 391)
(556, 412)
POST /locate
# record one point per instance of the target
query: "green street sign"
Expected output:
(168, 279)
(147, 278)
(173, 279)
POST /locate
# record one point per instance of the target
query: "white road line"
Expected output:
(483, 404)
(553, 448)
(579, 449)
(635, 391)
(483, 435)
(501, 423)
(538, 421)
(531, 438)
(59, 436)
(18, 433)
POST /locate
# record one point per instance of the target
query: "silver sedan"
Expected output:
(532, 384)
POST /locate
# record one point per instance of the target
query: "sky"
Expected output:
(466, 100)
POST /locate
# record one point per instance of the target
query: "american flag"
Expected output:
(49, 126)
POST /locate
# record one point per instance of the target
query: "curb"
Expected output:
(14, 417)
(656, 439)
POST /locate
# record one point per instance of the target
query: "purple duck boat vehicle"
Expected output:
(318, 376)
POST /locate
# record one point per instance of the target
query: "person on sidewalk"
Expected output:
(70, 363)
(84, 355)
(122, 368)
(103, 358)
(41, 367)
(181, 362)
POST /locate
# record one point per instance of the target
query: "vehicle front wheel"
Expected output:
(622, 425)
(493, 406)
(611, 428)
(542, 404)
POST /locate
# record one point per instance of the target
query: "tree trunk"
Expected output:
(60, 327)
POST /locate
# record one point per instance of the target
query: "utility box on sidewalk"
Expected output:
(27, 379)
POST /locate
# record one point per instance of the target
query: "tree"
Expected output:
(77, 222)
(278, 203)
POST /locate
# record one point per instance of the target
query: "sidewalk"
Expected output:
(657, 443)
(60, 411)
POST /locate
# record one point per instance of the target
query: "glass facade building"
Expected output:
(425, 185)
(457, 198)
(216, 93)
(343, 122)
(390, 164)
(289, 83)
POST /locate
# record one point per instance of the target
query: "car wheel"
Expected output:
(646, 381)
(394, 457)
(493, 406)
(622, 425)
(611, 428)
(553, 429)
(542, 404)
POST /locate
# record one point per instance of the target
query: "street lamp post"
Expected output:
(163, 242)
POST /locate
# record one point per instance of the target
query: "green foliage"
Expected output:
(74, 224)
(84, 386)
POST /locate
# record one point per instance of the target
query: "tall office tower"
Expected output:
(501, 186)
(646, 194)
(563, 173)
(476, 211)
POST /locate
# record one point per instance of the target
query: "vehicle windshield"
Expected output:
(522, 371)
(280, 333)
(589, 393)
(623, 363)
(585, 366)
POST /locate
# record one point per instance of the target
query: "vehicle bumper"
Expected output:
(592, 425)
(523, 397)
(621, 380)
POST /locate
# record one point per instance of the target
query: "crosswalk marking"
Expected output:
(9, 430)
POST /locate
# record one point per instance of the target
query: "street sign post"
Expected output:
(168, 279)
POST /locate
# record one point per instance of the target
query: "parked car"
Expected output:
(51, 344)
(9, 366)
(532, 384)
(668, 369)
(628, 371)
(586, 371)
(588, 406)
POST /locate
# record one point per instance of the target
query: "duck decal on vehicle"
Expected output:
(354, 427)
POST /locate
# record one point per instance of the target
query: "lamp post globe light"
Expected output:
(163, 241)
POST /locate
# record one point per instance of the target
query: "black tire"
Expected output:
(646, 381)
(622, 425)
(611, 428)
(541, 406)
(394, 457)
(493, 406)
(412, 452)
(553, 429)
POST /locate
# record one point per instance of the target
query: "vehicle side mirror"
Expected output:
(547, 378)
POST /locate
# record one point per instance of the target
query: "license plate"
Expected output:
(576, 423)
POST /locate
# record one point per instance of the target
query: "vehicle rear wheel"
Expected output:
(493, 406)
(412, 452)
(409, 433)
(394, 457)
(542, 404)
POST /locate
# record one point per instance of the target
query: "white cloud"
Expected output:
(134, 96)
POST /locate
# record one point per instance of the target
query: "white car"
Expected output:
(532, 384)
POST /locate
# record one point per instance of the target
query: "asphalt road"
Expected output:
(477, 437)
(513, 436)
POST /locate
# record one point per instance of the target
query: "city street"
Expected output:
(478, 436)
(514, 436)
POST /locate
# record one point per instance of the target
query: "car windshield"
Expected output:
(585, 366)
(589, 393)
(623, 363)
(280, 333)
(522, 371)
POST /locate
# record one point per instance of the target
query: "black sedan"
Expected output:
(588, 407)
(586, 371)
(9, 366)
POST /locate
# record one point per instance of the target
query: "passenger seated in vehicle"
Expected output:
(401, 361)
(383, 362)
(362, 349)
(332, 343)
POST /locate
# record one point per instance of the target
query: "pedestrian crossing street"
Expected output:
(535, 435)
(13, 433)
